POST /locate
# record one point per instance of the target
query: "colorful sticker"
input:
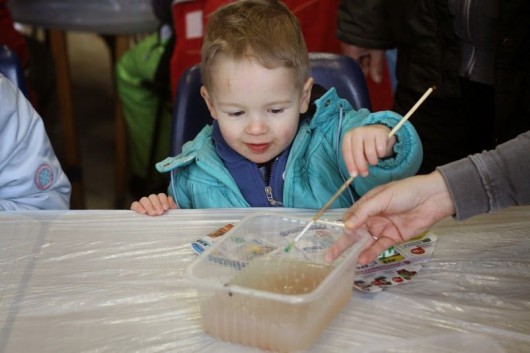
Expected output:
(201, 244)
(399, 264)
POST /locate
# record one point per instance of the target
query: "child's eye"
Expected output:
(236, 114)
(276, 111)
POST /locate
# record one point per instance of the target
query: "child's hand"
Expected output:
(154, 205)
(366, 145)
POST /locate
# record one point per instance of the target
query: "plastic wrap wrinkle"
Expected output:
(112, 281)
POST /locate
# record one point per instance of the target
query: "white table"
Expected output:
(111, 281)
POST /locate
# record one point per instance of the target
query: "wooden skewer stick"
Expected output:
(411, 111)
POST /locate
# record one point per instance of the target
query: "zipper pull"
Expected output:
(270, 198)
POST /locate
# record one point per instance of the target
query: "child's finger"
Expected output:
(348, 157)
(153, 205)
(138, 208)
(172, 203)
(389, 146)
(359, 158)
(164, 201)
(370, 151)
(381, 145)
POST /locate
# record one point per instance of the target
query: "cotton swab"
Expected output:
(319, 213)
(348, 182)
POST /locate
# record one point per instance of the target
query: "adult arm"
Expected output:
(30, 174)
(490, 180)
(400, 210)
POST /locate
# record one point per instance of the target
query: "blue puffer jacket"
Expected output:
(313, 168)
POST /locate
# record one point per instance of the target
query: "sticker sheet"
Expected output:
(398, 264)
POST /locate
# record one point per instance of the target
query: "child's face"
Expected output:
(257, 109)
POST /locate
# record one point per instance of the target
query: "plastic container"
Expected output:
(253, 292)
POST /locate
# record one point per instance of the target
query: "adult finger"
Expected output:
(376, 65)
(375, 249)
(347, 239)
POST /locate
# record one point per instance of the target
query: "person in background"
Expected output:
(401, 210)
(31, 177)
(277, 139)
(476, 53)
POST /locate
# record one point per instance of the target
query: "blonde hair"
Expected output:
(265, 30)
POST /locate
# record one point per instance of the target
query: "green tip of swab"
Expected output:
(289, 247)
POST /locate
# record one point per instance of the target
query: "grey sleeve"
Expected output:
(490, 180)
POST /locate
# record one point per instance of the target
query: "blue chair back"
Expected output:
(190, 113)
(11, 68)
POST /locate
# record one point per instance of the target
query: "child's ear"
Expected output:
(209, 102)
(306, 95)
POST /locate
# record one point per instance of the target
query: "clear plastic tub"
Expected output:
(255, 293)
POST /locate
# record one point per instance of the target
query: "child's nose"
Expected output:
(256, 126)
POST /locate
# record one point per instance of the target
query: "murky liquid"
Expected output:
(270, 324)
(282, 276)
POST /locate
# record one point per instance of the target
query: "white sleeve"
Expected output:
(30, 174)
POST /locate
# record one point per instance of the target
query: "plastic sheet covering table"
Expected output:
(112, 281)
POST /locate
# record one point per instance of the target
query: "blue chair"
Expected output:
(11, 68)
(190, 113)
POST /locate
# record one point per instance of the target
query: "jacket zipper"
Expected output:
(268, 188)
(270, 198)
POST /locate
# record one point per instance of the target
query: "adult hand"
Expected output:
(370, 60)
(394, 213)
(154, 204)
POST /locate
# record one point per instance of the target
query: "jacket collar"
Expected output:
(246, 174)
